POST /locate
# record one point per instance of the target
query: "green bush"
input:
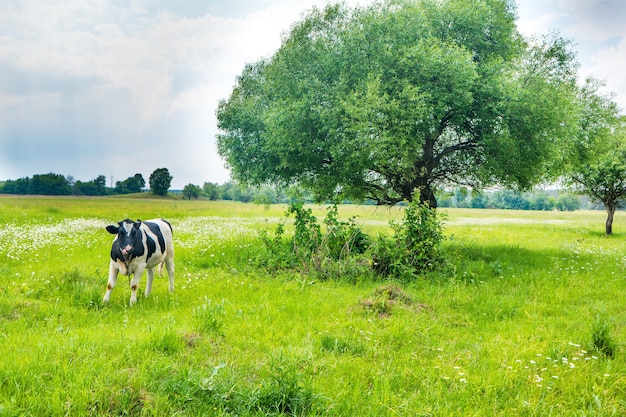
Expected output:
(414, 247)
(345, 252)
(308, 235)
(342, 239)
(328, 255)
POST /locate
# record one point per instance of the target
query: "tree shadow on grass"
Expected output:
(484, 262)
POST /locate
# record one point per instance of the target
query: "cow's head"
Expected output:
(128, 244)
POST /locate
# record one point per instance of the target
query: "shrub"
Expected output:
(345, 252)
(328, 255)
(414, 247)
(342, 239)
(307, 235)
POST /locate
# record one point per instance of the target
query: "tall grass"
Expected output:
(521, 322)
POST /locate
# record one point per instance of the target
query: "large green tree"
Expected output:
(160, 181)
(380, 101)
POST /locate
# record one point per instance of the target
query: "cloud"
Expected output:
(594, 20)
(115, 88)
(80, 82)
(608, 64)
(24, 82)
(91, 88)
(597, 30)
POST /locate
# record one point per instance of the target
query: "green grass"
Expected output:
(527, 319)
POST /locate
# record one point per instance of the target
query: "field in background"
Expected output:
(512, 327)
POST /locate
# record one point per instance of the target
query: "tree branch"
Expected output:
(461, 146)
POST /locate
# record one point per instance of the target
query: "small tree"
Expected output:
(191, 191)
(541, 200)
(605, 181)
(160, 181)
(211, 191)
(135, 184)
(598, 154)
(479, 200)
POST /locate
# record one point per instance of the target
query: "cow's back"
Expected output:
(160, 231)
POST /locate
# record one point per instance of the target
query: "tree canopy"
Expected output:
(130, 185)
(604, 180)
(597, 162)
(160, 181)
(94, 187)
(402, 96)
(192, 191)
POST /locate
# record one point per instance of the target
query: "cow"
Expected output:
(138, 246)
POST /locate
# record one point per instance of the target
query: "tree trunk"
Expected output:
(610, 209)
(427, 196)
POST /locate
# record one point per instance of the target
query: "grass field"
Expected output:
(526, 320)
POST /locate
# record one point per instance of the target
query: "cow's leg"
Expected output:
(169, 265)
(134, 284)
(111, 283)
(150, 277)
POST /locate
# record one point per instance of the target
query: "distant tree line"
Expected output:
(57, 184)
(44, 184)
(237, 192)
(459, 197)
(542, 200)
(159, 183)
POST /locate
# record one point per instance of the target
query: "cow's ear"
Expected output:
(137, 224)
(113, 229)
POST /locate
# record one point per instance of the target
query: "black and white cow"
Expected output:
(138, 246)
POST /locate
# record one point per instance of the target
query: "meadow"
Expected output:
(527, 319)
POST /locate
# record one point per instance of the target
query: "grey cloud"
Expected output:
(184, 78)
(27, 81)
(77, 126)
(599, 21)
(606, 14)
(220, 8)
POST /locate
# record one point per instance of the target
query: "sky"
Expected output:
(120, 87)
